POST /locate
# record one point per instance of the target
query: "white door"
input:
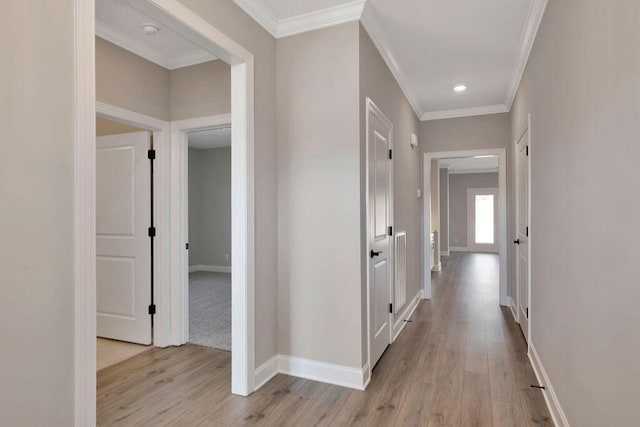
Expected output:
(522, 240)
(123, 211)
(379, 221)
(482, 220)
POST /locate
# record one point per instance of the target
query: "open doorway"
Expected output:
(465, 216)
(124, 252)
(209, 224)
(174, 18)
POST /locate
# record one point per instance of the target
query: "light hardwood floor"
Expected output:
(460, 362)
(110, 352)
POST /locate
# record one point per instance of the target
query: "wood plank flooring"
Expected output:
(461, 362)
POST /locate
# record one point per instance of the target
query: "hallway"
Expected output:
(460, 361)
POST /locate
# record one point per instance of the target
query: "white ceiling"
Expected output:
(214, 138)
(471, 164)
(121, 21)
(429, 45)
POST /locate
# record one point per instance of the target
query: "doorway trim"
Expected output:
(180, 223)
(502, 216)
(179, 18)
(372, 108)
(161, 268)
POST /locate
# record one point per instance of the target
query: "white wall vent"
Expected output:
(400, 270)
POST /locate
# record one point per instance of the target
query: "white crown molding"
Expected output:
(324, 18)
(465, 112)
(356, 10)
(371, 23)
(261, 14)
(536, 13)
(336, 15)
(134, 46)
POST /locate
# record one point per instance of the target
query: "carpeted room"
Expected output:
(209, 183)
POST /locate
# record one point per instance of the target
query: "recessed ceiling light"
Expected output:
(483, 157)
(460, 88)
(150, 29)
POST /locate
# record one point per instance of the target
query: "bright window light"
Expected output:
(485, 219)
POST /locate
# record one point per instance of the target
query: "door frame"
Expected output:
(524, 129)
(502, 218)
(179, 18)
(180, 226)
(161, 271)
(372, 108)
(471, 245)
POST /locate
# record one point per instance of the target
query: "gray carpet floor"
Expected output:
(210, 309)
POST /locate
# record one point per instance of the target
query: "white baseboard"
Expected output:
(406, 314)
(312, 370)
(558, 415)
(458, 249)
(324, 372)
(444, 253)
(266, 371)
(437, 267)
(210, 268)
(514, 310)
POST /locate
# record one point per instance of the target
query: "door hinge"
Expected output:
(527, 231)
(151, 154)
(390, 231)
(527, 312)
(527, 148)
(390, 308)
(390, 154)
(186, 246)
(152, 232)
(152, 309)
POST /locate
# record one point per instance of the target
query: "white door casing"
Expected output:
(123, 251)
(472, 244)
(379, 219)
(502, 215)
(523, 261)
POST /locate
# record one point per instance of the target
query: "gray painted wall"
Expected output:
(444, 211)
(210, 207)
(377, 82)
(582, 88)
(458, 186)
(200, 90)
(36, 218)
(319, 280)
(129, 81)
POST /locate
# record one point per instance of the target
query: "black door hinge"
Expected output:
(186, 246)
(527, 231)
(152, 232)
(390, 154)
(151, 154)
(152, 309)
(390, 231)
(527, 312)
(390, 308)
(527, 150)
